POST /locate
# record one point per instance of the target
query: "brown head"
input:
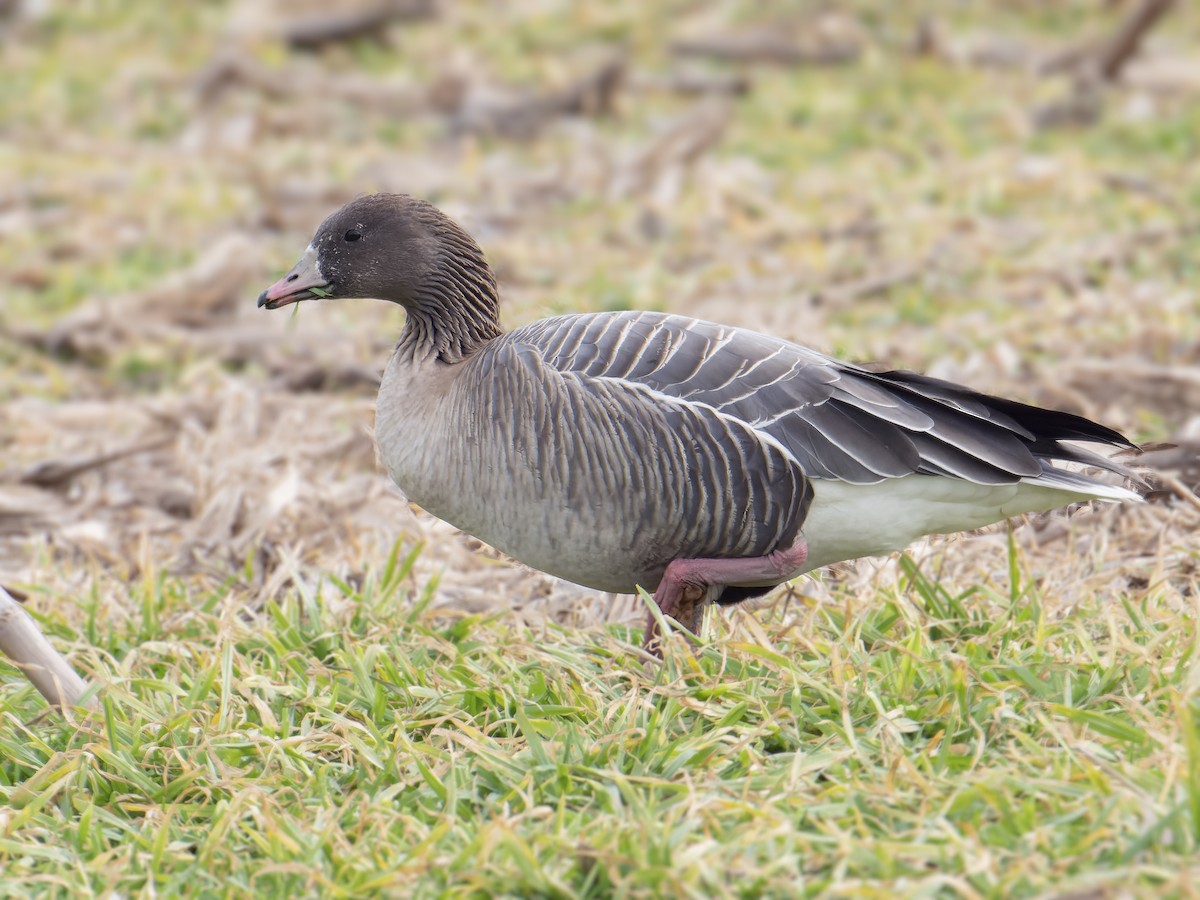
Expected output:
(398, 248)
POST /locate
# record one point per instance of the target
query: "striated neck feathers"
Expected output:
(454, 307)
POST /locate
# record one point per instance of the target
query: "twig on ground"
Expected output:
(593, 94)
(23, 642)
(55, 472)
(1181, 490)
(314, 31)
(1175, 468)
(1125, 42)
(1106, 57)
(231, 69)
(1096, 64)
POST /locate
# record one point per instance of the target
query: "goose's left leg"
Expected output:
(689, 584)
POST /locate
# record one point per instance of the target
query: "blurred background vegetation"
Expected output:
(1001, 193)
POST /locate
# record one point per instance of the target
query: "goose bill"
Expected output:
(303, 282)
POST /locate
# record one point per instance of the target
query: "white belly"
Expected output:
(847, 521)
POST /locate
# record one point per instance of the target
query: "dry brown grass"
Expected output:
(883, 192)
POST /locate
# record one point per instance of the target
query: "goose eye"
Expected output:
(353, 235)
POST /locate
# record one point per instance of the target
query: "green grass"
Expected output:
(924, 743)
(900, 739)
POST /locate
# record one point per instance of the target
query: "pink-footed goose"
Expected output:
(701, 461)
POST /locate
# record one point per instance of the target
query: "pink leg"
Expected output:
(684, 590)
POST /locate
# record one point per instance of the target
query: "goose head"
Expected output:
(398, 248)
(382, 246)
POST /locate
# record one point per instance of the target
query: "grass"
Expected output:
(346, 741)
(996, 731)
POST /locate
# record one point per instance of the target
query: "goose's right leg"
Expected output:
(688, 584)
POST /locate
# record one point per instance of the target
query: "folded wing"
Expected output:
(839, 421)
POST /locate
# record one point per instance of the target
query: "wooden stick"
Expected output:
(313, 32)
(1124, 44)
(1182, 491)
(23, 642)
